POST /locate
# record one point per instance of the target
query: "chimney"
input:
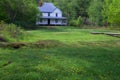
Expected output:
(40, 2)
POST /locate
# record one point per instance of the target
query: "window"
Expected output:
(48, 14)
(56, 20)
(64, 21)
(56, 14)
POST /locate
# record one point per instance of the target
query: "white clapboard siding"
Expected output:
(57, 12)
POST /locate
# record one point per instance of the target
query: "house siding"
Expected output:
(56, 11)
(45, 14)
(54, 21)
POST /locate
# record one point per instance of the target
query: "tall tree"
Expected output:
(114, 12)
(95, 12)
(20, 12)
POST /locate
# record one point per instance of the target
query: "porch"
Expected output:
(52, 21)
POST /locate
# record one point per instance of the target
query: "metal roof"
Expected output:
(47, 7)
(54, 17)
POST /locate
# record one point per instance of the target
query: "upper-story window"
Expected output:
(48, 14)
(56, 14)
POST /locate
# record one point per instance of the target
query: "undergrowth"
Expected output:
(10, 32)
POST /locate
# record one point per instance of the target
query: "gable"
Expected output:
(57, 11)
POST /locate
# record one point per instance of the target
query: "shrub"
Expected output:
(11, 32)
(72, 23)
(78, 22)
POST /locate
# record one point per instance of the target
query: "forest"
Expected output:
(79, 12)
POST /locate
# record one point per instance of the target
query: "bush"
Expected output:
(78, 22)
(19, 12)
(11, 32)
(72, 23)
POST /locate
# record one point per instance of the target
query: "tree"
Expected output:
(114, 12)
(95, 12)
(20, 12)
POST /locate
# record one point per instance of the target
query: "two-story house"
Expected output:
(51, 15)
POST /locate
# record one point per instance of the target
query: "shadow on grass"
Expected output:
(52, 28)
(55, 28)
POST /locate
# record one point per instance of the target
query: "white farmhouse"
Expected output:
(51, 15)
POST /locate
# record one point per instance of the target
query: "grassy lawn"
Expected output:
(68, 35)
(83, 56)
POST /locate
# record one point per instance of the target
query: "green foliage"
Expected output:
(114, 12)
(20, 12)
(99, 12)
(11, 32)
(111, 12)
(95, 12)
(78, 22)
(72, 22)
(105, 10)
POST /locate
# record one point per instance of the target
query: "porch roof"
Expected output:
(53, 17)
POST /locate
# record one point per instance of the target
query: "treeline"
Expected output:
(19, 12)
(90, 12)
(94, 12)
(104, 12)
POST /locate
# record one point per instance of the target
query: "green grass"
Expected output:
(85, 57)
(68, 35)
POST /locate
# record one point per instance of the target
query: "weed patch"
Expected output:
(10, 32)
(38, 44)
(47, 43)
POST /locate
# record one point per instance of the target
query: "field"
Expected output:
(69, 35)
(80, 56)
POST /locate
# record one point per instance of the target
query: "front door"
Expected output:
(48, 21)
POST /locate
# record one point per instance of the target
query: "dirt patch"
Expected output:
(17, 45)
(47, 43)
(37, 44)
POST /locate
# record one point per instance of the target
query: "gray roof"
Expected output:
(47, 7)
(54, 17)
